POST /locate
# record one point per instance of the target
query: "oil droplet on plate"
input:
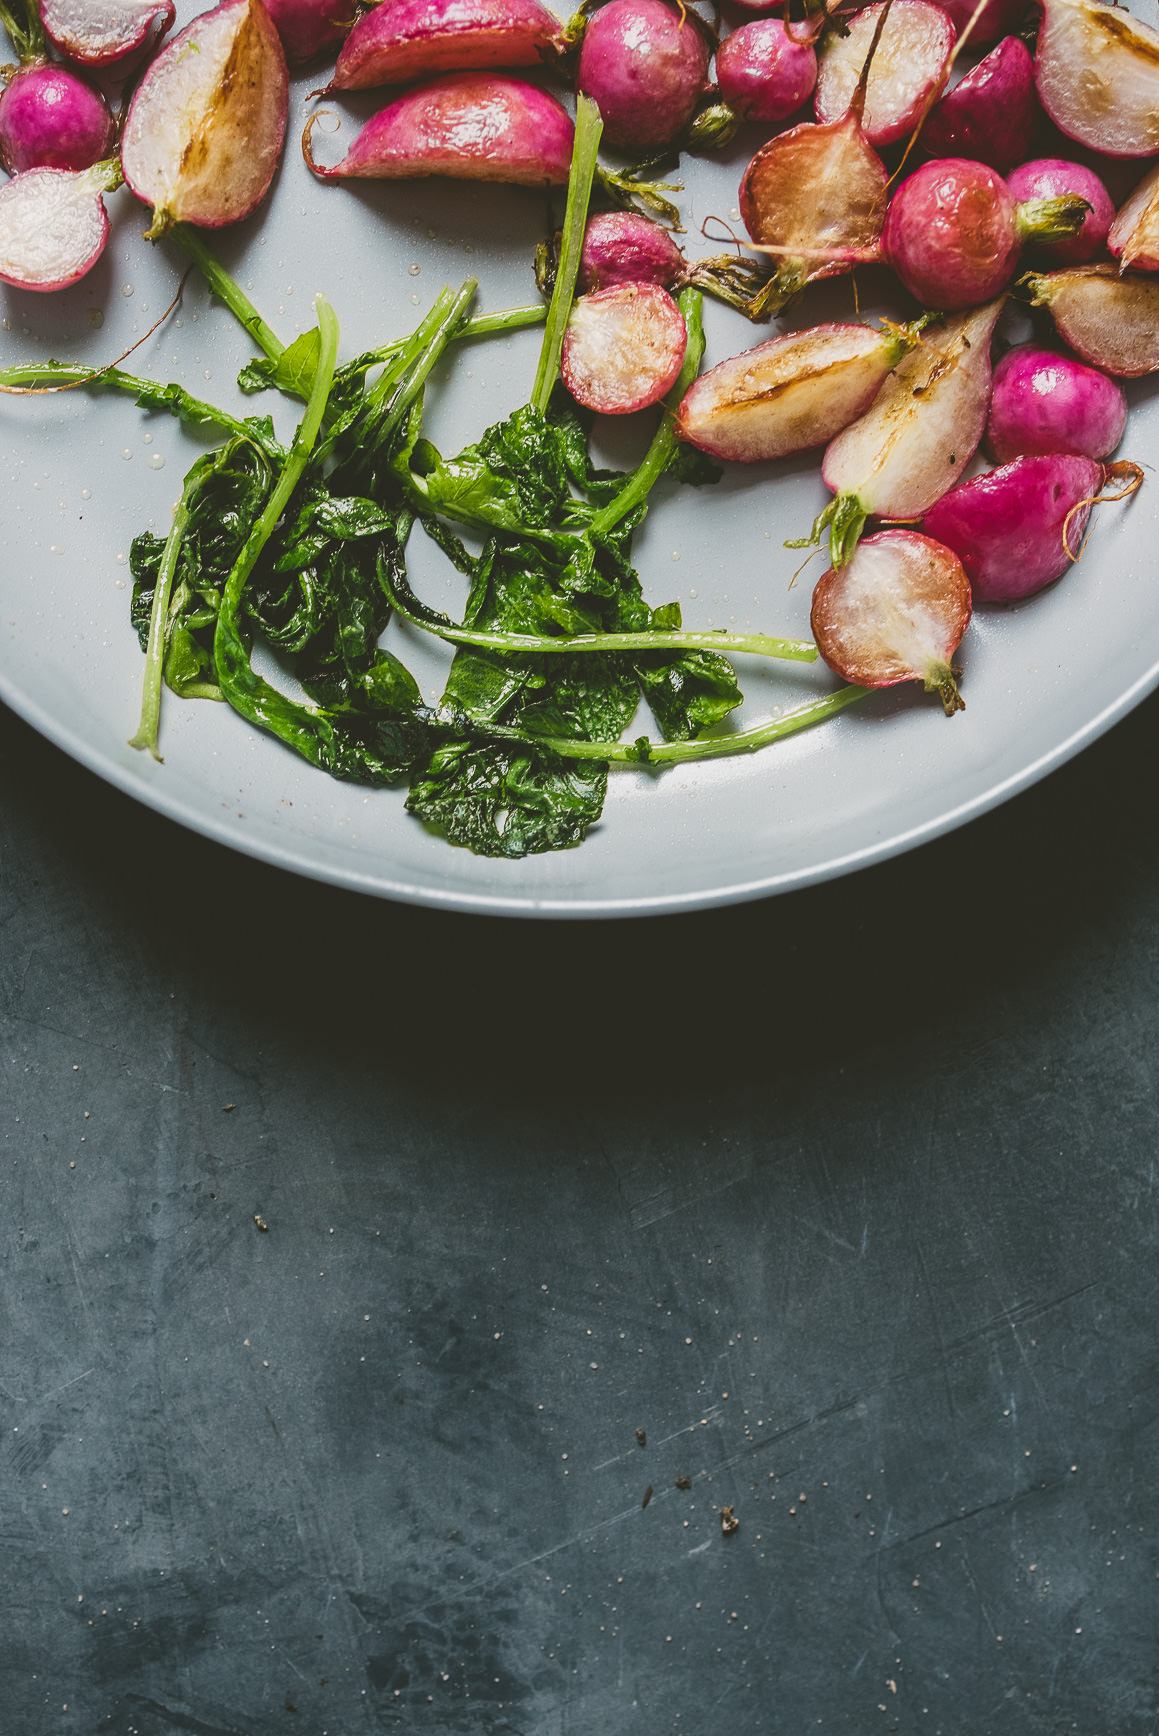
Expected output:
(86, 493)
(156, 461)
(122, 560)
(146, 440)
(126, 289)
(126, 451)
(414, 270)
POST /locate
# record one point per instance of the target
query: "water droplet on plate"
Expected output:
(156, 461)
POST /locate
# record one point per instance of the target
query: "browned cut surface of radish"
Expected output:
(100, 32)
(1107, 319)
(1097, 71)
(909, 65)
(53, 226)
(896, 611)
(623, 348)
(206, 126)
(786, 395)
(405, 39)
(1134, 235)
(925, 424)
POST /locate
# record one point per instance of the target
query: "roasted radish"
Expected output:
(997, 18)
(1133, 238)
(106, 32)
(991, 114)
(52, 118)
(310, 27)
(1097, 71)
(623, 348)
(53, 225)
(896, 611)
(644, 64)
(1054, 178)
(764, 72)
(410, 39)
(1108, 318)
(1044, 401)
(623, 247)
(909, 66)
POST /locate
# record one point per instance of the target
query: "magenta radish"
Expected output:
(998, 18)
(909, 66)
(1054, 178)
(644, 64)
(472, 126)
(310, 27)
(1018, 528)
(991, 114)
(623, 348)
(53, 225)
(205, 128)
(411, 39)
(106, 32)
(764, 72)
(1044, 401)
(623, 247)
(1109, 319)
(953, 231)
(918, 435)
(790, 393)
(1097, 71)
(1133, 238)
(896, 611)
(52, 118)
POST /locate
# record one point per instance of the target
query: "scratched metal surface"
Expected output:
(846, 1200)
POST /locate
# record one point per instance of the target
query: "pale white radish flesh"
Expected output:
(924, 426)
(896, 611)
(909, 67)
(205, 129)
(787, 394)
(101, 32)
(1134, 235)
(1108, 319)
(623, 348)
(53, 225)
(1097, 72)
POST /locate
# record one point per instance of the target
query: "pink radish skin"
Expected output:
(106, 32)
(472, 126)
(52, 118)
(1053, 178)
(205, 129)
(644, 64)
(1044, 402)
(53, 225)
(310, 27)
(998, 19)
(623, 348)
(408, 39)
(1007, 527)
(991, 114)
(896, 611)
(622, 247)
(1110, 319)
(911, 64)
(1133, 238)
(788, 394)
(1097, 71)
(764, 73)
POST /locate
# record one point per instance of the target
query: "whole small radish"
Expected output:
(764, 72)
(1109, 318)
(1097, 71)
(910, 64)
(52, 118)
(1133, 238)
(644, 64)
(623, 247)
(991, 114)
(623, 348)
(954, 231)
(53, 225)
(1054, 178)
(1018, 528)
(896, 611)
(411, 39)
(310, 27)
(1044, 401)
(106, 33)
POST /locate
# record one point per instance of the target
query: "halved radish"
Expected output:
(991, 114)
(1134, 235)
(623, 348)
(896, 611)
(407, 39)
(1097, 71)
(205, 128)
(474, 126)
(103, 32)
(53, 225)
(909, 67)
(1107, 318)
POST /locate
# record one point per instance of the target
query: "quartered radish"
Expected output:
(475, 126)
(909, 66)
(644, 64)
(409, 39)
(991, 114)
(954, 231)
(917, 437)
(790, 393)
(105, 32)
(205, 129)
(1097, 71)
(764, 71)
(623, 348)
(52, 118)
(53, 225)
(310, 27)
(897, 611)
(623, 247)
(1054, 178)
(1133, 238)
(1107, 318)
(1045, 401)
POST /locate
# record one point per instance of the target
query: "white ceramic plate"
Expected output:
(84, 472)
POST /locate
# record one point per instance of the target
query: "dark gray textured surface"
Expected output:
(847, 1199)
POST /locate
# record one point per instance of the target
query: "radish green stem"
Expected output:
(483, 325)
(758, 644)
(25, 28)
(146, 736)
(588, 128)
(691, 303)
(224, 286)
(58, 375)
(645, 752)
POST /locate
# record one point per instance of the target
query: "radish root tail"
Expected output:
(1123, 470)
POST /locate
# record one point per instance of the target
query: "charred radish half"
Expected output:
(909, 66)
(1110, 319)
(623, 348)
(897, 611)
(1133, 238)
(1097, 71)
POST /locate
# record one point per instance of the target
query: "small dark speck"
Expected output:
(322, 1681)
(647, 1496)
(260, 1221)
(728, 1521)
(683, 1482)
(641, 1438)
(953, 457)
(289, 1705)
